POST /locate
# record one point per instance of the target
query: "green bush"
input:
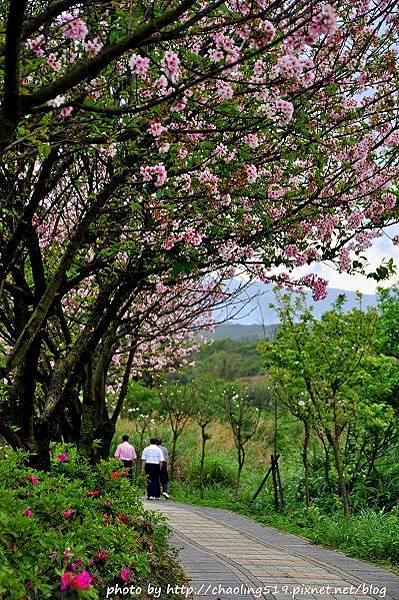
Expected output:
(74, 531)
(219, 469)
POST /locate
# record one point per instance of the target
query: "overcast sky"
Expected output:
(382, 249)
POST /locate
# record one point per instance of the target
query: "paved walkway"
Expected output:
(228, 557)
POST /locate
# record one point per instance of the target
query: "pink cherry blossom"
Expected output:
(156, 129)
(139, 65)
(53, 62)
(268, 29)
(170, 63)
(66, 111)
(93, 47)
(288, 66)
(74, 28)
(252, 173)
(224, 91)
(159, 170)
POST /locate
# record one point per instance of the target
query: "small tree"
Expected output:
(295, 400)
(243, 418)
(206, 396)
(177, 404)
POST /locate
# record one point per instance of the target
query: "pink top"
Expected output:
(125, 451)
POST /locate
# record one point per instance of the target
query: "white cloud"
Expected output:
(382, 250)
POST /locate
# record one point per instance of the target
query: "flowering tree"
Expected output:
(141, 144)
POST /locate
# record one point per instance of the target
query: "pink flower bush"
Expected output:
(27, 512)
(62, 457)
(81, 581)
(102, 555)
(125, 574)
(33, 479)
(67, 514)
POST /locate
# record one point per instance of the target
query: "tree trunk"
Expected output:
(203, 442)
(41, 459)
(341, 478)
(173, 456)
(240, 460)
(305, 460)
(326, 462)
(89, 421)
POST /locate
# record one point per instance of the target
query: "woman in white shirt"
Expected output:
(151, 461)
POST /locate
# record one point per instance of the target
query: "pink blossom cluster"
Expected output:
(288, 66)
(252, 173)
(74, 28)
(139, 65)
(252, 140)
(324, 23)
(170, 62)
(35, 44)
(224, 91)
(156, 129)
(93, 47)
(192, 236)
(159, 170)
(268, 30)
(53, 62)
(318, 285)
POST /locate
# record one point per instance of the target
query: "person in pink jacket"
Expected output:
(127, 454)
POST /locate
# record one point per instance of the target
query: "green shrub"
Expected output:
(79, 526)
(219, 469)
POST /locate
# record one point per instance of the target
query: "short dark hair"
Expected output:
(159, 442)
(125, 438)
(153, 440)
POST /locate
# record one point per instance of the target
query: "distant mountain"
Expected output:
(252, 305)
(242, 333)
(251, 318)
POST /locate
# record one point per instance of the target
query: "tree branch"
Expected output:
(90, 69)
(11, 104)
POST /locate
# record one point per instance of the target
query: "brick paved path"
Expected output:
(221, 551)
